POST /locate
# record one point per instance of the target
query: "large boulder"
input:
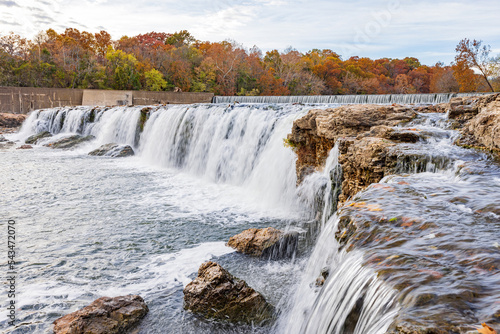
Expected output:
(315, 134)
(70, 142)
(365, 161)
(215, 293)
(113, 150)
(266, 242)
(480, 128)
(35, 138)
(11, 120)
(366, 135)
(104, 316)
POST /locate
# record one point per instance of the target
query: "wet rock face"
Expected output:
(315, 134)
(11, 120)
(266, 242)
(478, 119)
(104, 316)
(113, 150)
(35, 138)
(70, 142)
(215, 293)
(366, 134)
(480, 128)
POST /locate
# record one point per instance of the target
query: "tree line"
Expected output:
(159, 61)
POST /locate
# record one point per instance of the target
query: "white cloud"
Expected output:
(425, 29)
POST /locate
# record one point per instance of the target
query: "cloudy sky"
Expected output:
(428, 30)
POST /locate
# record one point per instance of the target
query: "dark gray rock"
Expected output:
(70, 142)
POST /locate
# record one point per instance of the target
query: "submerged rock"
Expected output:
(266, 242)
(479, 121)
(113, 150)
(35, 138)
(70, 142)
(5, 143)
(215, 293)
(104, 316)
(25, 147)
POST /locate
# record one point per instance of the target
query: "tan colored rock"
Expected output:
(365, 134)
(104, 316)
(434, 108)
(265, 242)
(365, 161)
(11, 120)
(478, 119)
(215, 293)
(483, 129)
(314, 135)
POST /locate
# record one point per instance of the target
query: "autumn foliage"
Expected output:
(163, 61)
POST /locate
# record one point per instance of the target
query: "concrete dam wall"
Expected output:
(21, 100)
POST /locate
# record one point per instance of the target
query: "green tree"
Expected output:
(155, 80)
(123, 69)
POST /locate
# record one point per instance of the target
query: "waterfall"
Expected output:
(348, 99)
(240, 146)
(108, 125)
(352, 299)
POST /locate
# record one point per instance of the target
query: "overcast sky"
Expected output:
(428, 30)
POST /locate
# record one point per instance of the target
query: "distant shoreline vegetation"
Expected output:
(172, 61)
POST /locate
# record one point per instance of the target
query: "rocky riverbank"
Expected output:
(367, 134)
(10, 123)
(441, 268)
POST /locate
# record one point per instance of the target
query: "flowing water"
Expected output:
(348, 99)
(94, 226)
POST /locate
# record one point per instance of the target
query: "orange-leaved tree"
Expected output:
(473, 54)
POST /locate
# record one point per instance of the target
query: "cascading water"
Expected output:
(381, 277)
(332, 307)
(108, 125)
(348, 99)
(203, 173)
(239, 146)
